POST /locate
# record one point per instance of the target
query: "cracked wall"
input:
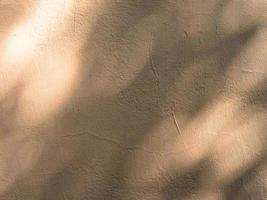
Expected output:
(133, 99)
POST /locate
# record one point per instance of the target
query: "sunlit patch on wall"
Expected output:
(25, 38)
(48, 89)
(30, 39)
(245, 145)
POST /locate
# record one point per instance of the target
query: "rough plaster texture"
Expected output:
(133, 99)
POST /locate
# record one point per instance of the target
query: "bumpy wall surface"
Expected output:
(133, 99)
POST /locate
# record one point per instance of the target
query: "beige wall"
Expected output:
(133, 99)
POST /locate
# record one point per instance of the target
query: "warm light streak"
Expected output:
(26, 37)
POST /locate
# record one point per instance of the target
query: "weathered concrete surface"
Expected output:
(133, 99)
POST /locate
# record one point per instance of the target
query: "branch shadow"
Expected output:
(102, 133)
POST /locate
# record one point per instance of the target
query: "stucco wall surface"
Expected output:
(133, 99)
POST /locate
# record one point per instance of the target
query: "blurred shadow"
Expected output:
(96, 135)
(183, 185)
